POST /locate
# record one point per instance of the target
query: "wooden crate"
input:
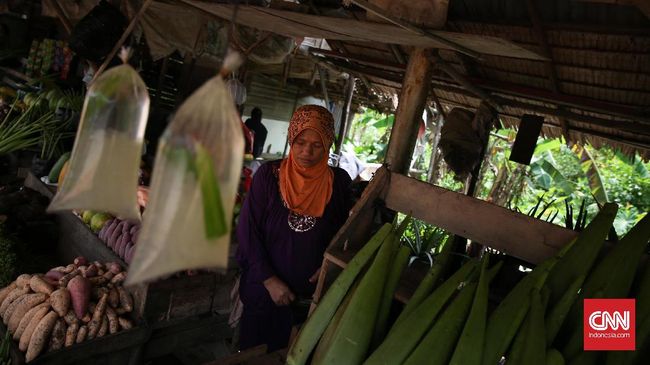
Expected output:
(120, 348)
(516, 234)
(164, 300)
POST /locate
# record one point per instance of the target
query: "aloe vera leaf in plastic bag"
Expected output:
(188, 218)
(103, 173)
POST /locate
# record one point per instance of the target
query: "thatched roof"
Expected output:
(583, 65)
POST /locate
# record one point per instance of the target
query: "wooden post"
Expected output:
(345, 117)
(432, 176)
(413, 96)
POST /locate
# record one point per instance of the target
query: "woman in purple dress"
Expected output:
(294, 208)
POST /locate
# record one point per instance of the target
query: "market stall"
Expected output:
(383, 49)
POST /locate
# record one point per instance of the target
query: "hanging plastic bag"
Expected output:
(198, 164)
(105, 161)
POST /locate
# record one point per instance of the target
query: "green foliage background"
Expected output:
(558, 174)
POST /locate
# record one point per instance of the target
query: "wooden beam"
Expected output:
(397, 67)
(397, 52)
(524, 237)
(406, 25)
(413, 96)
(345, 116)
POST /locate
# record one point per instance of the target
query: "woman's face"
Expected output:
(308, 148)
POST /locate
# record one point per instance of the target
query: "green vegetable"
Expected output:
(312, 330)
(469, 349)
(438, 345)
(56, 169)
(430, 281)
(405, 335)
(213, 213)
(353, 335)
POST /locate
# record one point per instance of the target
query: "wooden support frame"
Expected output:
(415, 90)
(514, 233)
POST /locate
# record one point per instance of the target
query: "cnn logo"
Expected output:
(609, 324)
(603, 321)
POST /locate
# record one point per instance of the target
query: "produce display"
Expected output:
(119, 235)
(65, 306)
(539, 321)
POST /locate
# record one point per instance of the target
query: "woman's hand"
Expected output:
(279, 291)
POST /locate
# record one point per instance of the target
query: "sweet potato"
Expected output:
(98, 291)
(108, 275)
(114, 267)
(28, 302)
(114, 298)
(23, 280)
(26, 336)
(117, 232)
(38, 285)
(59, 269)
(127, 226)
(79, 288)
(6, 290)
(24, 322)
(103, 329)
(102, 232)
(71, 334)
(126, 301)
(91, 271)
(54, 283)
(98, 316)
(110, 230)
(71, 317)
(98, 281)
(86, 318)
(12, 308)
(11, 297)
(120, 311)
(80, 261)
(70, 268)
(113, 324)
(82, 334)
(60, 300)
(57, 339)
(125, 324)
(128, 253)
(99, 265)
(41, 333)
(119, 278)
(63, 282)
(121, 244)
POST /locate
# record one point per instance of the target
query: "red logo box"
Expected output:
(609, 324)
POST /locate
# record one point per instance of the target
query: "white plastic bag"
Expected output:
(103, 172)
(187, 221)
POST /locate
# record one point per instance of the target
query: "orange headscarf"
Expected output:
(307, 190)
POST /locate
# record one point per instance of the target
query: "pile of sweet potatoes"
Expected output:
(67, 305)
(121, 237)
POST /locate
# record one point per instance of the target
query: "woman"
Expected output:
(294, 208)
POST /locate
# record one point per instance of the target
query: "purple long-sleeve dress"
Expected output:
(269, 246)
